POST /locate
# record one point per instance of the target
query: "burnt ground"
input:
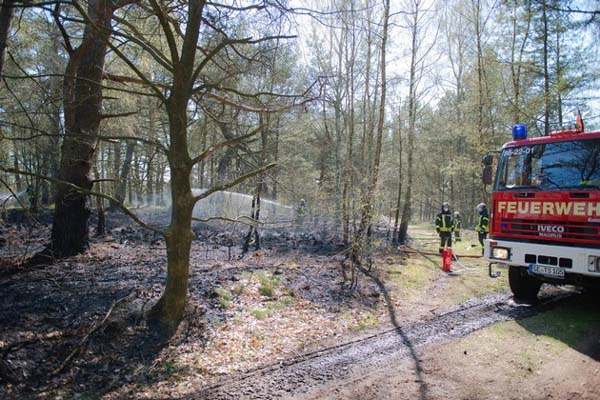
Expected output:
(47, 312)
(276, 323)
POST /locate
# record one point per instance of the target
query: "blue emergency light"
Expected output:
(519, 132)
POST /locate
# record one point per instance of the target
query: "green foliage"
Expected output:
(272, 308)
(169, 368)
(261, 313)
(225, 297)
(268, 284)
(367, 322)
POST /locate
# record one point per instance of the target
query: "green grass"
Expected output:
(268, 284)
(367, 322)
(566, 324)
(412, 277)
(225, 297)
(261, 313)
(272, 308)
(552, 331)
(469, 282)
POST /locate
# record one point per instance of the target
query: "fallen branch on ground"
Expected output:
(87, 336)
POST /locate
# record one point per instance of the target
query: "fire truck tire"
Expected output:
(522, 285)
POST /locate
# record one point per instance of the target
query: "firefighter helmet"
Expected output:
(480, 207)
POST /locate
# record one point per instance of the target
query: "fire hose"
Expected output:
(455, 257)
(410, 250)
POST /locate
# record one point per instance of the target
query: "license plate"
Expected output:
(555, 272)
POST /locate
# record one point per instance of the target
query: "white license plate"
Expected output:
(555, 272)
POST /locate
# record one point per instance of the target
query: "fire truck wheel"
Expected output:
(522, 285)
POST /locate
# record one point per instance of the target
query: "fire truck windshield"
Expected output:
(550, 166)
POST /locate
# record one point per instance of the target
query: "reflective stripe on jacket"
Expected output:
(483, 225)
(444, 223)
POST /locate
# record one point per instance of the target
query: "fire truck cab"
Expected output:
(545, 210)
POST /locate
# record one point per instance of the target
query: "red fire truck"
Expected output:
(545, 223)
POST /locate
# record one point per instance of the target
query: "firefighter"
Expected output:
(457, 222)
(301, 211)
(483, 223)
(444, 226)
(301, 214)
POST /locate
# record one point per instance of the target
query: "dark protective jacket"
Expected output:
(483, 224)
(444, 222)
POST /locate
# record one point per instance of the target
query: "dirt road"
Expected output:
(387, 364)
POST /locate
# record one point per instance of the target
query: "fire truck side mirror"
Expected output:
(486, 177)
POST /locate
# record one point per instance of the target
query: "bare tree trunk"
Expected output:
(169, 310)
(83, 107)
(6, 14)
(124, 175)
(517, 59)
(18, 182)
(101, 227)
(547, 103)
(360, 242)
(399, 198)
(406, 211)
(276, 159)
(559, 78)
(160, 188)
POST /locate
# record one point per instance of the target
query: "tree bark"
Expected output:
(395, 235)
(6, 14)
(124, 175)
(406, 211)
(169, 310)
(83, 108)
(547, 104)
(360, 242)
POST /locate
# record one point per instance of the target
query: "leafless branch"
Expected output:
(148, 47)
(164, 23)
(118, 115)
(61, 28)
(252, 221)
(125, 59)
(19, 102)
(208, 152)
(65, 76)
(237, 181)
(90, 193)
(234, 8)
(87, 336)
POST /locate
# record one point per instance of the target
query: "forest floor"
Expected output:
(277, 323)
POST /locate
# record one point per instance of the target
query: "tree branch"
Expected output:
(228, 185)
(252, 221)
(167, 31)
(231, 142)
(87, 336)
(118, 115)
(90, 193)
(149, 47)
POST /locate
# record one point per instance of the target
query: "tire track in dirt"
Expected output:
(336, 364)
